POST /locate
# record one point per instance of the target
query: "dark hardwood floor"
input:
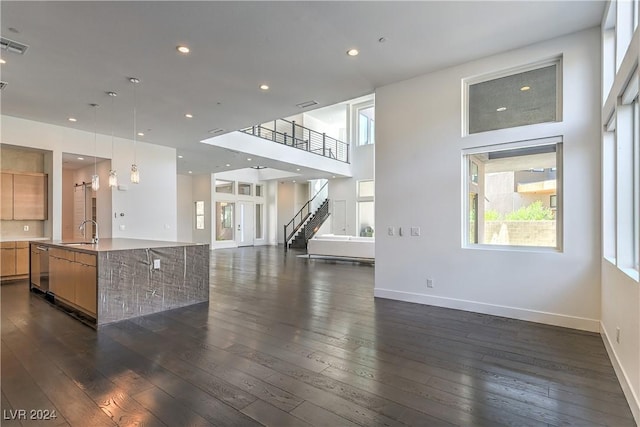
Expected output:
(291, 341)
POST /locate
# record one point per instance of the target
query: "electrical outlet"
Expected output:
(391, 231)
(156, 264)
(25, 228)
(429, 283)
(618, 335)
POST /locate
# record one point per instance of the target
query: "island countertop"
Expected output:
(117, 244)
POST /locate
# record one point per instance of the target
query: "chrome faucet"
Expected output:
(94, 239)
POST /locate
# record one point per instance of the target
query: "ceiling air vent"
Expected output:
(306, 104)
(216, 131)
(3, 85)
(13, 46)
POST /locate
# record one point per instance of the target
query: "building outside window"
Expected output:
(514, 194)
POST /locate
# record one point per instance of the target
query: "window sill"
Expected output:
(537, 249)
(632, 273)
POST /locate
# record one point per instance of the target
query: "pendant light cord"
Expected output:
(135, 130)
(95, 138)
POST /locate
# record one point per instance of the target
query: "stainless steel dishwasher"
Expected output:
(40, 268)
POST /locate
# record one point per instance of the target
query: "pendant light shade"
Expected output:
(95, 179)
(135, 173)
(113, 176)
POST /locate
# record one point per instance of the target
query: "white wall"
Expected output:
(419, 183)
(201, 191)
(186, 219)
(149, 207)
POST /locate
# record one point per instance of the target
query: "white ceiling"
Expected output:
(79, 50)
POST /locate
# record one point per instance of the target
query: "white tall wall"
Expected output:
(201, 191)
(185, 206)
(149, 207)
(419, 183)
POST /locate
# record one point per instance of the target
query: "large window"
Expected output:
(365, 116)
(224, 220)
(224, 186)
(513, 194)
(259, 226)
(519, 97)
(366, 207)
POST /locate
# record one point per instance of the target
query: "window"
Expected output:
(366, 207)
(224, 186)
(365, 117)
(200, 215)
(259, 190)
(244, 189)
(259, 210)
(224, 220)
(528, 96)
(513, 198)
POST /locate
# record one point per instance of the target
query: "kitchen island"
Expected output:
(118, 279)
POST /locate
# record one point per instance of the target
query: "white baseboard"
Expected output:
(582, 323)
(623, 379)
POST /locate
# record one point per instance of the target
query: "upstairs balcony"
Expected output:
(291, 134)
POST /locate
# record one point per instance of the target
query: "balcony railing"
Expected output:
(289, 133)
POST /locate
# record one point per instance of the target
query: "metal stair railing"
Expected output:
(299, 219)
(289, 133)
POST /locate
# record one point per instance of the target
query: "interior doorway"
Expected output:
(245, 225)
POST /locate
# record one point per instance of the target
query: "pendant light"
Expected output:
(113, 176)
(95, 179)
(135, 173)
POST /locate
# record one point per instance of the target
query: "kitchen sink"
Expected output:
(75, 243)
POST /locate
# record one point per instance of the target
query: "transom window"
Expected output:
(525, 96)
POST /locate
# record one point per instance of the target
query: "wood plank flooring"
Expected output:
(287, 341)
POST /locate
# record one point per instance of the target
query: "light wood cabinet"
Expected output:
(22, 258)
(6, 202)
(73, 278)
(8, 260)
(29, 196)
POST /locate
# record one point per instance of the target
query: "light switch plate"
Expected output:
(415, 231)
(156, 264)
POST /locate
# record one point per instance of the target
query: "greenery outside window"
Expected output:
(514, 198)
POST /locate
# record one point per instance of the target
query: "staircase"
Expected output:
(310, 227)
(307, 221)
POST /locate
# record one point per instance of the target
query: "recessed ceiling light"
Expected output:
(294, 181)
(353, 52)
(2, 61)
(180, 157)
(227, 165)
(80, 158)
(140, 133)
(298, 169)
(72, 119)
(525, 88)
(500, 109)
(183, 49)
(334, 176)
(264, 87)
(248, 159)
(189, 116)
(190, 171)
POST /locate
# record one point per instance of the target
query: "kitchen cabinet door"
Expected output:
(29, 197)
(86, 288)
(8, 260)
(22, 258)
(6, 202)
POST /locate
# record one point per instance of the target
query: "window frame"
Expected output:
(466, 158)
